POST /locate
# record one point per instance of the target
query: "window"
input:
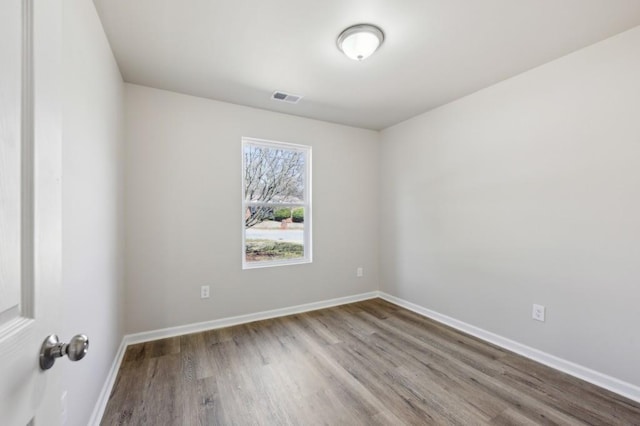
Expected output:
(276, 203)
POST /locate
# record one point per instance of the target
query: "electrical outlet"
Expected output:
(538, 312)
(359, 271)
(204, 292)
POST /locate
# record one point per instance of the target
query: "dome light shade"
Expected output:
(360, 41)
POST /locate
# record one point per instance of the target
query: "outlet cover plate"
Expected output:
(204, 292)
(538, 312)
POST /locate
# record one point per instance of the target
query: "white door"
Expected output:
(30, 217)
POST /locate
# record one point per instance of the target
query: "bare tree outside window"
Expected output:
(271, 176)
(276, 203)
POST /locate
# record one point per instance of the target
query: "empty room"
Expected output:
(319, 213)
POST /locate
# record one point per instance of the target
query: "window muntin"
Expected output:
(276, 203)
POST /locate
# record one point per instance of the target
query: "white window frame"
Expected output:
(306, 204)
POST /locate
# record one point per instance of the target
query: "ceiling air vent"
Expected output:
(285, 97)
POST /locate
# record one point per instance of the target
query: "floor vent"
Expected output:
(285, 97)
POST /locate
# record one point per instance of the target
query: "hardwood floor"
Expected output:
(365, 363)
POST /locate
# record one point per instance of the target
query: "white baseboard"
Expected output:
(148, 336)
(103, 398)
(599, 379)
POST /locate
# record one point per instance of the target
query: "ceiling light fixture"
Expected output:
(359, 42)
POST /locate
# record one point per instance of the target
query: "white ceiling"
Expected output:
(435, 51)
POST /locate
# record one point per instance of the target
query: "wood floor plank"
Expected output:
(511, 417)
(366, 363)
(588, 403)
(484, 374)
(152, 349)
(161, 388)
(209, 410)
(127, 395)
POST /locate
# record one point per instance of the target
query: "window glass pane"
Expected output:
(276, 182)
(273, 174)
(280, 237)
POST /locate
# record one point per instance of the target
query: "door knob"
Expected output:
(52, 348)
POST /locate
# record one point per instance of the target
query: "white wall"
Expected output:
(183, 211)
(91, 204)
(527, 192)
